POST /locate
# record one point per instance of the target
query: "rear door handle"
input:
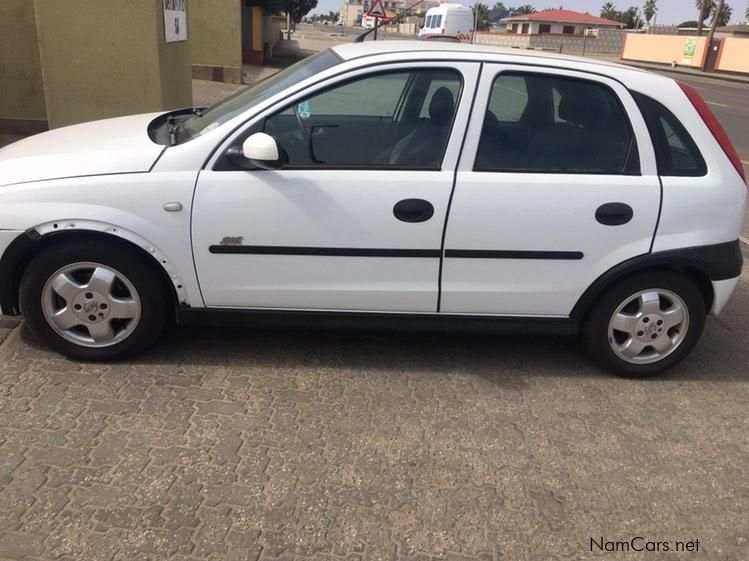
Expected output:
(614, 214)
(413, 210)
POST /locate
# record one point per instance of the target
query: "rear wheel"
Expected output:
(646, 323)
(92, 300)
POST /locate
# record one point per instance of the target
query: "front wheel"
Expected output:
(646, 323)
(92, 300)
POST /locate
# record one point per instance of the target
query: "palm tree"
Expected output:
(525, 9)
(609, 11)
(481, 15)
(705, 7)
(724, 17)
(746, 14)
(649, 10)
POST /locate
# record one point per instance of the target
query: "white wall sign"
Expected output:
(175, 20)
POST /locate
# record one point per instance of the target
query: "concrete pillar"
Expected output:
(97, 59)
(22, 106)
(216, 36)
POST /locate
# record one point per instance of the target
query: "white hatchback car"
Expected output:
(387, 184)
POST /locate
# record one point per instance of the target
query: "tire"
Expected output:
(109, 283)
(644, 338)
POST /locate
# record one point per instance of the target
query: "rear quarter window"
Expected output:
(676, 153)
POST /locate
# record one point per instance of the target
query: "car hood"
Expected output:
(119, 145)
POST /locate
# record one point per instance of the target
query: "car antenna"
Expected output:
(360, 38)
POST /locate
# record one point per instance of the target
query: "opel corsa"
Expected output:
(387, 184)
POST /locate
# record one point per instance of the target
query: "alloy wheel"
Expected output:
(91, 304)
(648, 326)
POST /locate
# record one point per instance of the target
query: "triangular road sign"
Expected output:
(377, 10)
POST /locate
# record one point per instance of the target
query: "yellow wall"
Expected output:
(665, 49)
(107, 58)
(734, 55)
(257, 29)
(215, 30)
(21, 86)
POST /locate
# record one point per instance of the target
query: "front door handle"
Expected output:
(614, 214)
(413, 210)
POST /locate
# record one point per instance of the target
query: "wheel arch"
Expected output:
(700, 264)
(30, 243)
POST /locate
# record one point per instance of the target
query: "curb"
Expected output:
(683, 72)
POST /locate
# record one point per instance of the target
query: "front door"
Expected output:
(354, 220)
(557, 184)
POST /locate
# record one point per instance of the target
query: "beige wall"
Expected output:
(107, 58)
(734, 55)
(666, 49)
(174, 59)
(215, 29)
(21, 86)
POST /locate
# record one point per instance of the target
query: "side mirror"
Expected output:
(261, 150)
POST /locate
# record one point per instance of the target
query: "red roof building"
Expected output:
(562, 22)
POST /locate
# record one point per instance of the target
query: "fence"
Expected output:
(600, 41)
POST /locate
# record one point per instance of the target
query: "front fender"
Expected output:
(130, 207)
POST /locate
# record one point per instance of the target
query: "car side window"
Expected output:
(676, 153)
(540, 123)
(399, 120)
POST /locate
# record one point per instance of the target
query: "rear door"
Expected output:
(557, 183)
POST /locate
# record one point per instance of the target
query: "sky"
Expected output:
(669, 11)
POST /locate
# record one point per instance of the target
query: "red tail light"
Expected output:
(714, 126)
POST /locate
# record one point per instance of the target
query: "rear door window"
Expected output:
(540, 123)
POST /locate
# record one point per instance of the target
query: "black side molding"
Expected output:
(322, 251)
(264, 318)
(717, 261)
(385, 252)
(512, 254)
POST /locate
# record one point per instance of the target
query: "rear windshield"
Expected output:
(676, 153)
(241, 101)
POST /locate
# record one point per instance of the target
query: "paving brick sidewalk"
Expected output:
(244, 445)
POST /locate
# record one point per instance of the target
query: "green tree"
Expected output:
(689, 23)
(650, 9)
(297, 9)
(481, 15)
(724, 17)
(631, 18)
(608, 11)
(525, 9)
(746, 14)
(500, 7)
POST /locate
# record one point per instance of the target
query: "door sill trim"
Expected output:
(400, 321)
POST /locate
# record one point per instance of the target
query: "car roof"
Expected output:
(351, 51)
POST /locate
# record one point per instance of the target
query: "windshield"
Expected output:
(238, 103)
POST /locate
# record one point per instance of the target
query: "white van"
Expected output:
(448, 21)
